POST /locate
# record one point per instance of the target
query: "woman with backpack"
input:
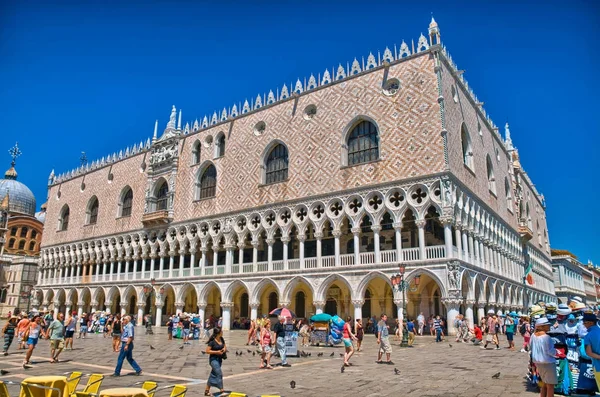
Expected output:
(525, 331)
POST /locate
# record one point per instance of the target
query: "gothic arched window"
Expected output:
(466, 147)
(196, 153)
(24, 231)
(127, 202)
(32, 246)
(22, 244)
(92, 211)
(208, 183)
(490, 174)
(220, 146)
(63, 223)
(276, 165)
(11, 243)
(363, 143)
(508, 192)
(162, 196)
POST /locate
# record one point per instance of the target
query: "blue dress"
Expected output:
(215, 360)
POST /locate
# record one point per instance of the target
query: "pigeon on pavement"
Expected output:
(496, 375)
(293, 384)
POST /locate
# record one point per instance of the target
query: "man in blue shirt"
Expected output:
(127, 348)
(410, 326)
(592, 342)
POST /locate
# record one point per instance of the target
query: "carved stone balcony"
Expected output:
(156, 218)
(525, 232)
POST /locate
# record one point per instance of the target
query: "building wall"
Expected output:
(410, 146)
(14, 235)
(484, 142)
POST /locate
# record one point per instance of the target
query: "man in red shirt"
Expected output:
(478, 335)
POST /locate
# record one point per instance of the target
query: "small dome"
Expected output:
(20, 198)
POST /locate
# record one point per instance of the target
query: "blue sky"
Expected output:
(78, 76)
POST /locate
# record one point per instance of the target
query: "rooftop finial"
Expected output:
(83, 159)
(179, 120)
(171, 123)
(14, 153)
(434, 32)
(509, 144)
(155, 130)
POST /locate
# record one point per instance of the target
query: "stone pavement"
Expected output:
(427, 369)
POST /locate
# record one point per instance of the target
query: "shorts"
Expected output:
(489, 338)
(385, 346)
(83, 329)
(267, 349)
(21, 336)
(347, 342)
(57, 344)
(69, 333)
(509, 336)
(32, 341)
(186, 332)
(116, 335)
(547, 373)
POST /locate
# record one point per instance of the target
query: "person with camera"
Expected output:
(217, 352)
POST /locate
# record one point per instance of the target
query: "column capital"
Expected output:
(446, 220)
(285, 239)
(241, 244)
(270, 241)
(420, 223)
(141, 305)
(124, 304)
(107, 303)
(481, 305)
(204, 249)
(301, 237)
(336, 233)
(254, 305)
(376, 228)
(318, 235)
(399, 302)
(451, 303)
(229, 247)
(284, 303)
(319, 304)
(202, 306)
(356, 230)
(397, 226)
(179, 305)
(226, 305)
(469, 302)
(358, 303)
(255, 243)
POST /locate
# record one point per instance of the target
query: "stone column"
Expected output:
(452, 305)
(140, 314)
(159, 306)
(119, 265)
(67, 310)
(447, 222)
(480, 310)
(472, 255)
(241, 246)
(203, 250)
(201, 313)
(123, 308)
(356, 237)
(254, 310)
(104, 271)
(358, 304)
(336, 246)
(465, 244)
(107, 304)
(228, 258)
(181, 262)
(421, 225)
(179, 307)
(79, 310)
(398, 236)
(215, 250)
(319, 237)
(285, 241)
(301, 240)
(482, 256)
(376, 242)
(319, 305)
(254, 254)
(469, 312)
(135, 267)
(56, 304)
(270, 243)
(476, 257)
(152, 264)
(161, 264)
(226, 308)
(457, 237)
(171, 263)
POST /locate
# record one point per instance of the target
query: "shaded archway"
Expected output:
(211, 296)
(299, 293)
(189, 298)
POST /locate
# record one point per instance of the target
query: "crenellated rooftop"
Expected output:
(300, 87)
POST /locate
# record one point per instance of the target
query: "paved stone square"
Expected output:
(428, 369)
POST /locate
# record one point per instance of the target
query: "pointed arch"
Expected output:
(159, 197)
(418, 271)
(125, 202)
(286, 296)
(206, 289)
(228, 295)
(360, 141)
(467, 147)
(206, 181)
(183, 290)
(321, 294)
(219, 145)
(364, 283)
(63, 219)
(258, 289)
(196, 151)
(112, 293)
(274, 163)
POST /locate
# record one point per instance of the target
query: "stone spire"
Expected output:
(51, 178)
(179, 120)
(434, 32)
(155, 136)
(508, 141)
(171, 123)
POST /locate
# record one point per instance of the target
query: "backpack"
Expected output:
(522, 329)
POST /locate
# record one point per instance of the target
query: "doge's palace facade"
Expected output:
(307, 197)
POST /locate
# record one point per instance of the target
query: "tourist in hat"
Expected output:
(9, 331)
(543, 355)
(592, 342)
(510, 325)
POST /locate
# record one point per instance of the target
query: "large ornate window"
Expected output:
(63, 222)
(92, 211)
(276, 164)
(467, 147)
(126, 201)
(208, 183)
(490, 174)
(162, 196)
(363, 143)
(196, 153)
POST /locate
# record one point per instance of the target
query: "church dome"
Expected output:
(20, 197)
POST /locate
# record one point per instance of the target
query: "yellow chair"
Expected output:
(178, 391)
(92, 387)
(236, 394)
(3, 390)
(73, 381)
(27, 388)
(150, 387)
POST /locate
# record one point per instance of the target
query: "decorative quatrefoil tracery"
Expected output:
(336, 208)
(204, 229)
(396, 199)
(318, 211)
(270, 219)
(242, 223)
(285, 217)
(217, 227)
(419, 195)
(375, 202)
(355, 205)
(256, 221)
(301, 214)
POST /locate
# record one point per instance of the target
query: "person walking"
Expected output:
(543, 356)
(22, 327)
(421, 323)
(48, 318)
(492, 332)
(127, 336)
(116, 330)
(431, 323)
(348, 337)
(70, 326)
(251, 333)
(82, 326)
(383, 340)
(305, 333)
(410, 327)
(170, 327)
(56, 334)
(185, 330)
(360, 333)
(510, 326)
(266, 345)
(279, 331)
(438, 327)
(9, 331)
(33, 335)
(217, 352)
